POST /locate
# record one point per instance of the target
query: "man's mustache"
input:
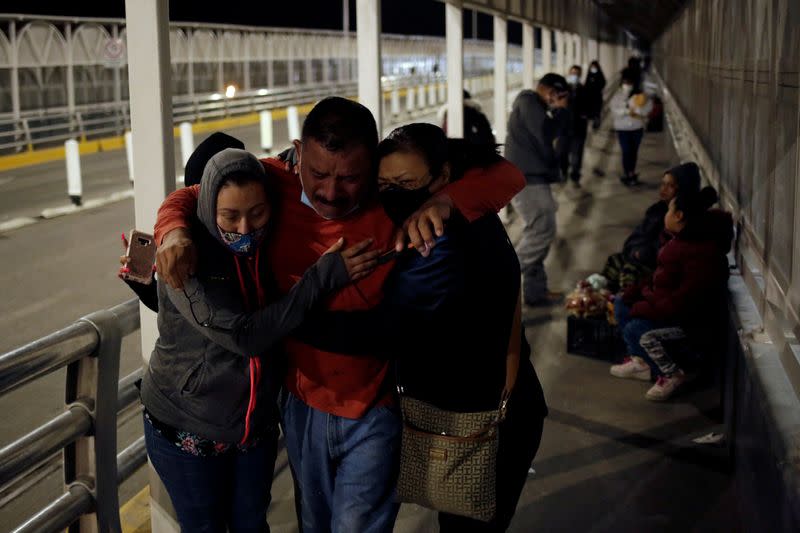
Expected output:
(338, 202)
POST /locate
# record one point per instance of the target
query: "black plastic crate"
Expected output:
(593, 337)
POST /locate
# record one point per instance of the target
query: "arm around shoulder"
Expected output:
(482, 191)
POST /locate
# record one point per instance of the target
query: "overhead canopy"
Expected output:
(584, 17)
(645, 19)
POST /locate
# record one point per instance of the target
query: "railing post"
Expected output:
(91, 461)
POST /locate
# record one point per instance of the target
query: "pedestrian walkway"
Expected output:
(610, 461)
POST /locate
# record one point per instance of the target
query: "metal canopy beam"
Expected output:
(578, 16)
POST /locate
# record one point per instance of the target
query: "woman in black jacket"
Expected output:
(452, 319)
(595, 83)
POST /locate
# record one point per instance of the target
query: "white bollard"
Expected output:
(293, 123)
(129, 153)
(410, 100)
(432, 94)
(266, 130)
(395, 102)
(187, 142)
(421, 96)
(443, 92)
(74, 183)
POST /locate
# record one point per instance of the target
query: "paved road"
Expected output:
(27, 191)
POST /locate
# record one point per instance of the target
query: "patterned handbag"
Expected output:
(448, 460)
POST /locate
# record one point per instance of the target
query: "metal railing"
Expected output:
(45, 128)
(86, 432)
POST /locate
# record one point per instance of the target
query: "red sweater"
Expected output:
(340, 384)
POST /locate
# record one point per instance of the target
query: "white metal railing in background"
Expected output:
(52, 127)
(86, 432)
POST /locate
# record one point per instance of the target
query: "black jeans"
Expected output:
(576, 158)
(629, 142)
(520, 435)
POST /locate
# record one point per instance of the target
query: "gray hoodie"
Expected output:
(198, 378)
(529, 139)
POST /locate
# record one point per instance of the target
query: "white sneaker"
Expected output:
(665, 387)
(631, 368)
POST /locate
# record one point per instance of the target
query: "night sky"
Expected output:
(410, 17)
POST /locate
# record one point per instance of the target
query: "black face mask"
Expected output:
(401, 203)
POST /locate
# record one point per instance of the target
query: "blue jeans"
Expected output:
(346, 469)
(229, 492)
(632, 330)
(629, 142)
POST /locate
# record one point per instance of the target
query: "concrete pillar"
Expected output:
(547, 50)
(293, 123)
(265, 123)
(527, 55)
(15, 106)
(129, 154)
(455, 69)
(368, 17)
(187, 142)
(74, 181)
(591, 51)
(190, 59)
(150, 88)
(500, 76)
(70, 72)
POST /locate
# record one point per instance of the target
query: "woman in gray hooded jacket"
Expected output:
(210, 387)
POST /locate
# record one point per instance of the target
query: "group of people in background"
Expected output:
(671, 275)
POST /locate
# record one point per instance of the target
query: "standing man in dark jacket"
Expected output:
(532, 144)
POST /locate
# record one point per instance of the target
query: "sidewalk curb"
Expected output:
(55, 212)
(15, 223)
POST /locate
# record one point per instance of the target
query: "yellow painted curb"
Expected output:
(117, 142)
(134, 515)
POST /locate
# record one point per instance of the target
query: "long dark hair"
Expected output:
(433, 145)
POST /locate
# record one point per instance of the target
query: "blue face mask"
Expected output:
(242, 243)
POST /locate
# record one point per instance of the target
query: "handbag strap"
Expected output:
(512, 360)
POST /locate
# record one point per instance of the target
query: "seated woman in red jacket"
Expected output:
(680, 303)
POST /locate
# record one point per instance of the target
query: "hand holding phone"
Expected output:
(141, 256)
